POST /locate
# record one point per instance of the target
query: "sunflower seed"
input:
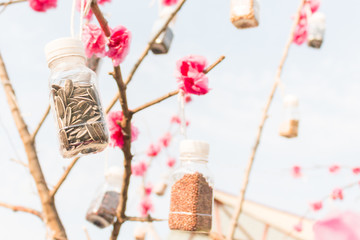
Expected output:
(68, 116)
(64, 139)
(81, 133)
(60, 108)
(69, 88)
(90, 129)
(56, 87)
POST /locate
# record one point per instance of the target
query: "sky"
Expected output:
(325, 80)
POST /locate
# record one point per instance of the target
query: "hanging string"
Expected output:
(181, 99)
(72, 22)
(106, 163)
(82, 17)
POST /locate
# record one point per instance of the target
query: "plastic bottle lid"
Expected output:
(64, 47)
(114, 174)
(194, 149)
(318, 17)
(291, 100)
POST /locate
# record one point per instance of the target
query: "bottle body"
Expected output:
(290, 125)
(77, 107)
(245, 13)
(191, 197)
(316, 30)
(102, 210)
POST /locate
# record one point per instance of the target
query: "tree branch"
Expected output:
(11, 2)
(100, 17)
(51, 217)
(175, 92)
(22, 209)
(239, 206)
(144, 219)
(146, 51)
(40, 123)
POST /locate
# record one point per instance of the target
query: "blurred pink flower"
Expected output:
(42, 5)
(78, 7)
(146, 206)
(169, 2)
(339, 226)
(148, 189)
(190, 76)
(116, 133)
(298, 227)
(94, 41)
(316, 206)
(337, 194)
(119, 44)
(139, 169)
(153, 150)
(314, 5)
(188, 98)
(300, 34)
(166, 139)
(334, 168)
(175, 119)
(171, 162)
(296, 171)
(356, 170)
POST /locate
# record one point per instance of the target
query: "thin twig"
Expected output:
(175, 92)
(40, 123)
(86, 233)
(11, 2)
(146, 51)
(19, 162)
(22, 209)
(63, 177)
(100, 17)
(144, 219)
(240, 201)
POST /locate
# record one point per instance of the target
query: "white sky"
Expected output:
(326, 82)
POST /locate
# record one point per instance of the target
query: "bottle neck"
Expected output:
(193, 160)
(67, 63)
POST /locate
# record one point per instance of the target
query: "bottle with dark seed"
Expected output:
(102, 210)
(192, 189)
(290, 126)
(316, 30)
(75, 99)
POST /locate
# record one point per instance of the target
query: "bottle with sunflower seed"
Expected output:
(75, 99)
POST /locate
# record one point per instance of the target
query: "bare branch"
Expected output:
(40, 123)
(101, 19)
(63, 177)
(19, 162)
(50, 214)
(173, 93)
(144, 219)
(86, 233)
(11, 2)
(22, 209)
(239, 206)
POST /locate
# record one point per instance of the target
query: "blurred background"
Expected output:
(326, 81)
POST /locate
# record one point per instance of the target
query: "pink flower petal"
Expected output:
(356, 170)
(116, 134)
(334, 168)
(169, 2)
(296, 171)
(139, 169)
(148, 189)
(153, 150)
(171, 162)
(42, 5)
(94, 41)
(298, 227)
(166, 139)
(337, 194)
(146, 206)
(316, 206)
(119, 44)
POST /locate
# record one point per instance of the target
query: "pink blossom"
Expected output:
(175, 119)
(119, 44)
(356, 170)
(94, 41)
(148, 189)
(338, 226)
(298, 227)
(116, 133)
(169, 2)
(316, 206)
(146, 206)
(190, 76)
(188, 98)
(166, 139)
(314, 5)
(42, 5)
(171, 162)
(153, 150)
(296, 171)
(78, 7)
(337, 194)
(300, 34)
(334, 168)
(139, 169)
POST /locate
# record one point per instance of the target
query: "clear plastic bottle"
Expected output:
(245, 13)
(103, 208)
(163, 42)
(290, 126)
(192, 189)
(316, 30)
(75, 99)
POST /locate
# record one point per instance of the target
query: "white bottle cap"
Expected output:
(194, 149)
(114, 174)
(318, 17)
(63, 47)
(291, 101)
